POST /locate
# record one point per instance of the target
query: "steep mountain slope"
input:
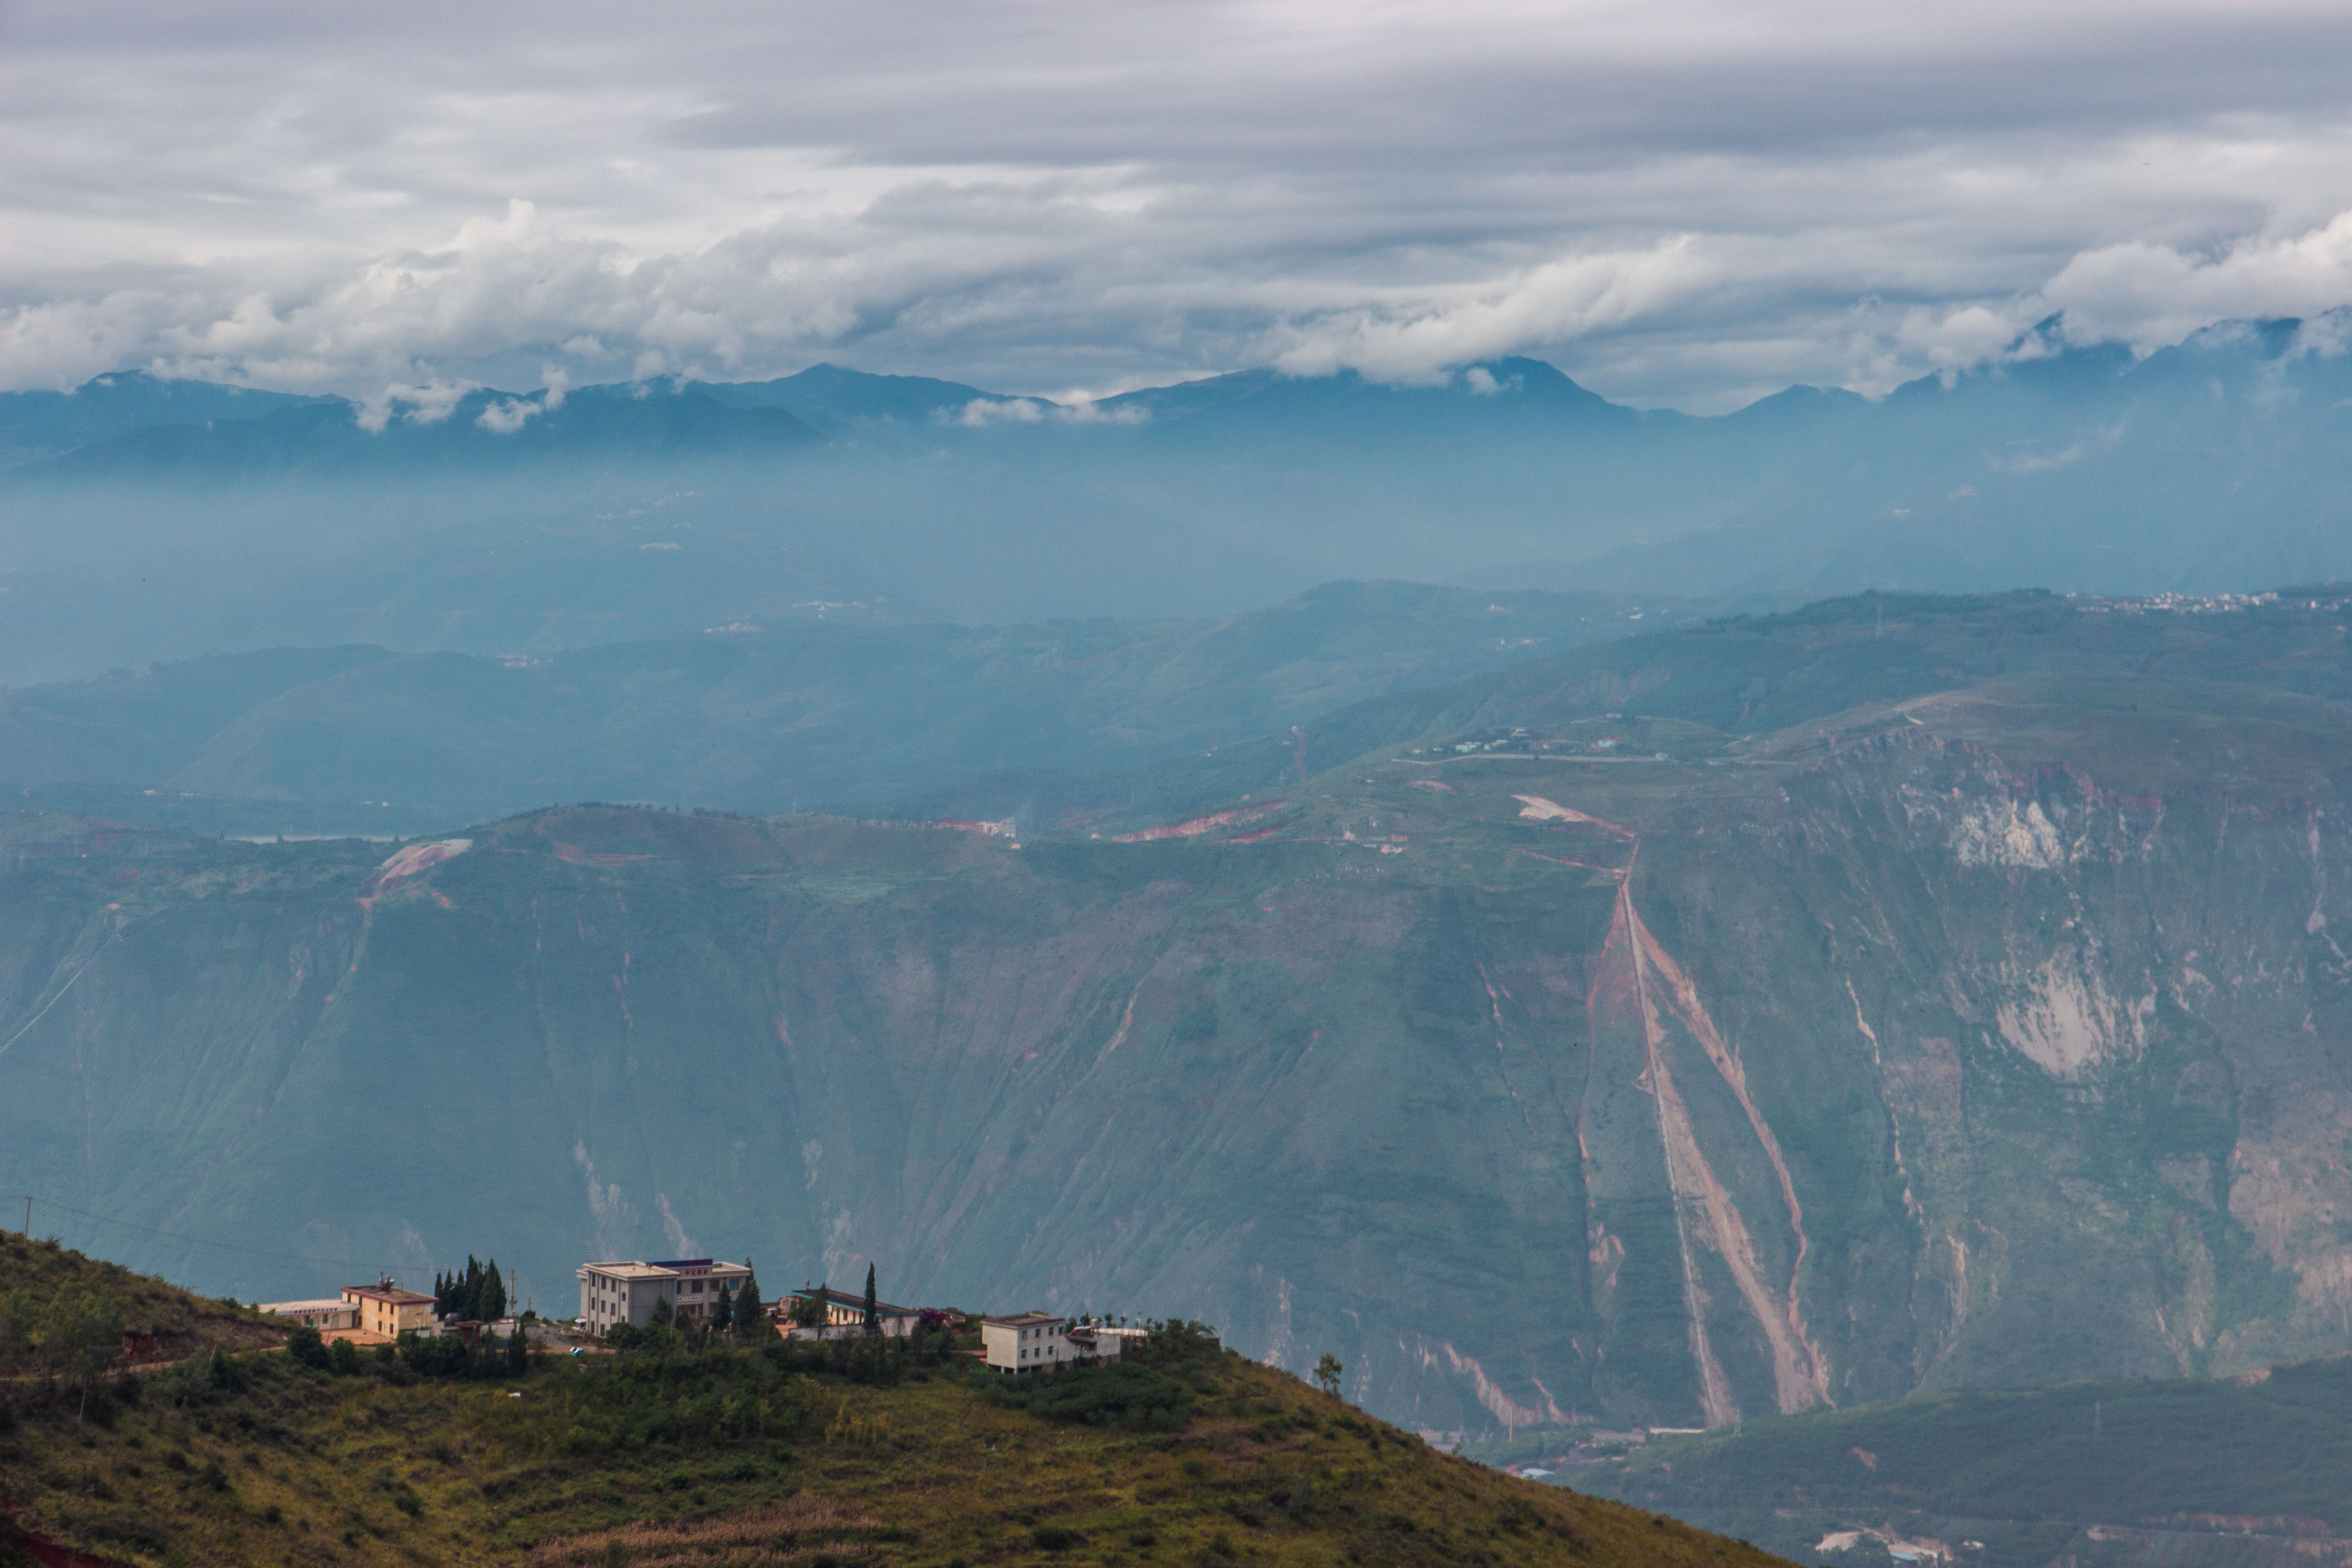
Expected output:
(1995, 1036)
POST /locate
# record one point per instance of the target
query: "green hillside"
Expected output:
(724, 1456)
(751, 717)
(2252, 1468)
(1752, 675)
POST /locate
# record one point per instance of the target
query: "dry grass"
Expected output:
(302, 1469)
(794, 1531)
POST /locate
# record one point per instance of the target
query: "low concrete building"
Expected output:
(1039, 1342)
(331, 1312)
(385, 1309)
(1093, 1343)
(837, 1311)
(627, 1292)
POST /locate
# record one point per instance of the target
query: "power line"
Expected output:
(30, 1199)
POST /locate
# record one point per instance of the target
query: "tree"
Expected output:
(808, 1307)
(750, 1319)
(82, 1334)
(1327, 1374)
(517, 1351)
(490, 1295)
(20, 1320)
(873, 1318)
(303, 1343)
(664, 1314)
(722, 1316)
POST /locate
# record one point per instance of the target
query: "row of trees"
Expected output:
(479, 1293)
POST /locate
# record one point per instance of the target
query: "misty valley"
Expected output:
(1670, 989)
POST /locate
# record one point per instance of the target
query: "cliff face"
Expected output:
(1995, 1037)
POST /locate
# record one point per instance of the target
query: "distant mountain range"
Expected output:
(150, 519)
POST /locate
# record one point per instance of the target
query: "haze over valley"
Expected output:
(1411, 766)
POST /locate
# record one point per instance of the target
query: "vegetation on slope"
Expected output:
(1357, 1074)
(42, 1283)
(669, 1455)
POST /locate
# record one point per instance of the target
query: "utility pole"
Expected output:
(28, 1218)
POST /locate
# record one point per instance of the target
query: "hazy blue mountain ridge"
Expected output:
(805, 712)
(2220, 463)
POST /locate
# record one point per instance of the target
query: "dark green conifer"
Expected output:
(872, 1317)
(722, 1315)
(750, 1320)
(491, 1296)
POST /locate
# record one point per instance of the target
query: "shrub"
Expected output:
(1135, 1397)
(1056, 1537)
(304, 1345)
(1178, 1343)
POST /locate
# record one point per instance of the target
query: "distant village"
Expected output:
(621, 1298)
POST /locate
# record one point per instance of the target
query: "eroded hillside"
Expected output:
(1990, 1037)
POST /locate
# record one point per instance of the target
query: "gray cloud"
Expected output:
(1691, 201)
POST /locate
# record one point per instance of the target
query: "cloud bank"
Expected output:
(1689, 202)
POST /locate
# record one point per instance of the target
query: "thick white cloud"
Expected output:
(1684, 201)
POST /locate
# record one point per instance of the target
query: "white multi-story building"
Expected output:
(1039, 1342)
(627, 1293)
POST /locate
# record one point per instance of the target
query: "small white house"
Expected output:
(1039, 1342)
(1025, 1341)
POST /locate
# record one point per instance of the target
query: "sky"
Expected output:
(1682, 202)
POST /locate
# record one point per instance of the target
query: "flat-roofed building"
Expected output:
(627, 1292)
(331, 1312)
(385, 1309)
(838, 1310)
(1026, 1342)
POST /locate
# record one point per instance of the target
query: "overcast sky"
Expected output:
(1684, 202)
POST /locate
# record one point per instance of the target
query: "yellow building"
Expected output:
(385, 1309)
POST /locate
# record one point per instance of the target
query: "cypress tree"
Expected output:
(517, 1351)
(750, 1319)
(873, 1318)
(722, 1315)
(490, 1301)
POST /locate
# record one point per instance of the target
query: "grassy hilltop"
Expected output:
(725, 1455)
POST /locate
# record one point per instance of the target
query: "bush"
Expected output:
(1178, 1343)
(1056, 1537)
(1135, 1397)
(304, 1345)
(342, 1358)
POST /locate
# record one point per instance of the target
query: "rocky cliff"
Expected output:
(1986, 1036)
